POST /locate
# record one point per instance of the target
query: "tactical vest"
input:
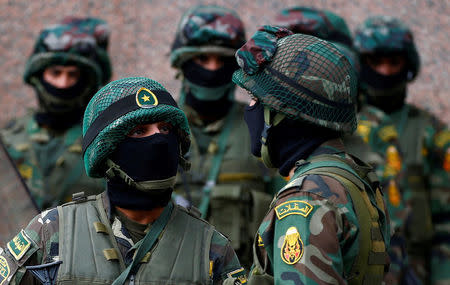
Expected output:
(238, 200)
(411, 124)
(51, 164)
(362, 184)
(90, 253)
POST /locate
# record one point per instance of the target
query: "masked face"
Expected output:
(254, 117)
(150, 152)
(61, 76)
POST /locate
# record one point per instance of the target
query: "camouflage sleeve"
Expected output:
(314, 234)
(36, 244)
(437, 154)
(225, 267)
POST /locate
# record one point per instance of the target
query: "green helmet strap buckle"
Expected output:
(269, 122)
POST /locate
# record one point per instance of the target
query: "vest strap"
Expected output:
(217, 162)
(147, 243)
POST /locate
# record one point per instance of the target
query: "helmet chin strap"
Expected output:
(270, 121)
(145, 186)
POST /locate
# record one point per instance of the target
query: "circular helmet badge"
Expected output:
(146, 98)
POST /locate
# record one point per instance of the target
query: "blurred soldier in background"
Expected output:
(329, 223)
(226, 182)
(68, 65)
(135, 136)
(389, 60)
(376, 140)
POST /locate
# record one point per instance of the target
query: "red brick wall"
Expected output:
(142, 32)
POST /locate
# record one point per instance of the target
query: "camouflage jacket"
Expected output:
(385, 154)
(42, 237)
(326, 228)
(50, 162)
(243, 188)
(425, 142)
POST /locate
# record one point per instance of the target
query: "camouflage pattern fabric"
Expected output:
(385, 154)
(49, 161)
(41, 240)
(319, 23)
(317, 241)
(323, 24)
(426, 143)
(295, 81)
(207, 29)
(79, 41)
(384, 34)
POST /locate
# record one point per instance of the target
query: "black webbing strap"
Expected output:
(120, 108)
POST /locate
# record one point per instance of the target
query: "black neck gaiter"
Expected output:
(67, 117)
(288, 142)
(65, 93)
(385, 92)
(199, 75)
(291, 141)
(144, 159)
(207, 91)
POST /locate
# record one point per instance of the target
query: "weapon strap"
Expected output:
(147, 243)
(216, 162)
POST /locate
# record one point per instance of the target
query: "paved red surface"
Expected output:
(142, 32)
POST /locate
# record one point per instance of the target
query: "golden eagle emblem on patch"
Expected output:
(393, 162)
(292, 249)
(146, 98)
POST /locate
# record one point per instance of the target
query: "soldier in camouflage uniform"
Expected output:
(226, 182)
(389, 60)
(134, 135)
(375, 140)
(68, 65)
(329, 224)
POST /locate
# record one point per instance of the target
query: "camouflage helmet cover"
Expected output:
(207, 29)
(299, 76)
(323, 24)
(120, 106)
(385, 34)
(78, 41)
(319, 23)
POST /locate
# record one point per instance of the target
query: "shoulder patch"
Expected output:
(19, 245)
(388, 133)
(240, 276)
(363, 130)
(4, 270)
(292, 249)
(293, 207)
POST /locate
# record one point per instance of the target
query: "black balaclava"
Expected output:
(387, 92)
(67, 117)
(288, 142)
(208, 92)
(144, 159)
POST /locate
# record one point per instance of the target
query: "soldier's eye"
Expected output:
(165, 128)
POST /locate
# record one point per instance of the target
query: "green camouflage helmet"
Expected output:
(319, 23)
(120, 106)
(323, 24)
(207, 29)
(78, 41)
(385, 34)
(300, 77)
